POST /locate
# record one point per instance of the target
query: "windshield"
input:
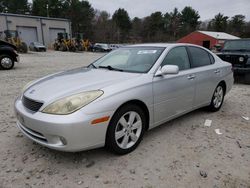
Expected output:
(130, 59)
(237, 45)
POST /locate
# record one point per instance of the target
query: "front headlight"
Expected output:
(241, 59)
(72, 103)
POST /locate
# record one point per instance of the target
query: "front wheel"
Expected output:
(217, 99)
(23, 48)
(126, 129)
(6, 62)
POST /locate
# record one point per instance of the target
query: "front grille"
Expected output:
(31, 104)
(234, 59)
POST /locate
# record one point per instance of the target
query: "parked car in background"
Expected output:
(100, 47)
(8, 55)
(115, 46)
(237, 52)
(114, 100)
(37, 47)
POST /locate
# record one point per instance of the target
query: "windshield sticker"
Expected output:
(147, 52)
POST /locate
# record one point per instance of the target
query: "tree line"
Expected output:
(100, 26)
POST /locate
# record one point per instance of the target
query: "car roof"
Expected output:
(164, 45)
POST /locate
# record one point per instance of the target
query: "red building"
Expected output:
(207, 39)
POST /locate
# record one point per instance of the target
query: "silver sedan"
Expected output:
(114, 100)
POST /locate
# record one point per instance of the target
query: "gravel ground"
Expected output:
(180, 153)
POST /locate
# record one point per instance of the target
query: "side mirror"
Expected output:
(167, 69)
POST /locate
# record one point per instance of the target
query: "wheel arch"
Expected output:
(140, 104)
(109, 139)
(224, 85)
(9, 53)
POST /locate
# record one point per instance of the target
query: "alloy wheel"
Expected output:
(218, 97)
(128, 130)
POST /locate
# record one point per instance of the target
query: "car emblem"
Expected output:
(32, 91)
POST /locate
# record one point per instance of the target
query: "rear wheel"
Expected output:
(63, 48)
(126, 129)
(217, 99)
(6, 62)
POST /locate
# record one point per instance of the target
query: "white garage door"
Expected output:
(27, 34)
(53, 33)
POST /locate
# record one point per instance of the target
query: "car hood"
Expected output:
(74, 81)
(4, 43)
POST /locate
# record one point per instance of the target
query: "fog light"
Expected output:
(241, 59)
(63, 140)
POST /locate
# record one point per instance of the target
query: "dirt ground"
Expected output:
(180, 153)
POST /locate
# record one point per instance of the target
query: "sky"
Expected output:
(206, 8)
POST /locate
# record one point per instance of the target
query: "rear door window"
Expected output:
(199, 57)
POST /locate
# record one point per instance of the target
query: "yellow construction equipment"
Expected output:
(12, 37)
(81, 43)
(86, 44)
(63, 43)
(78, 41)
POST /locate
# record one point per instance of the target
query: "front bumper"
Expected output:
(241, 70)
(18, 59)
(71, 133)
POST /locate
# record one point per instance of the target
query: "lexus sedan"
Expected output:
(114, 100)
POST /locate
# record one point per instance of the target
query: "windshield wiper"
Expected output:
(110, 68)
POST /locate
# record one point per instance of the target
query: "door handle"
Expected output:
(191, 77)
(217, 71)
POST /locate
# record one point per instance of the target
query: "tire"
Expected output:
(63, 48)
(79, 48)
(23, 48)
(123, 137)
(217, 99)
(73, 49)
(6, 62)
(56, 48)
